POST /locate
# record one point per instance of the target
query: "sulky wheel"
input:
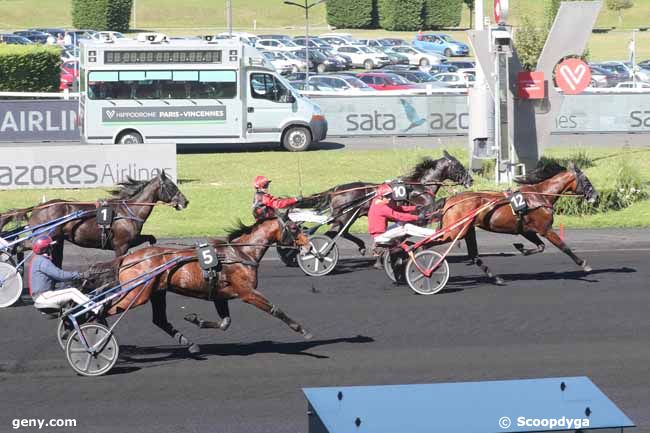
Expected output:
(105, 350)
(419, 282)
(289, 256)
(388, 266)
(322, 257)
(11, 285)
(63, 332)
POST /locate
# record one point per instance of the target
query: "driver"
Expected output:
(383, 209)
(264, 204)
(43, 275)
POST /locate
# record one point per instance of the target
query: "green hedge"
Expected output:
(29, 68)
(405, 15)
(351, 14)
(102, 14)
(442, 13)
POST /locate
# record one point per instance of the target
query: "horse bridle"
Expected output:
(165, 194)
(290, 231)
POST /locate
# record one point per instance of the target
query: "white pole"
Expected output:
(135, 14)
(634, 58)
(229, 16)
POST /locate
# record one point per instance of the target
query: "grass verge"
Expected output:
(219, 185)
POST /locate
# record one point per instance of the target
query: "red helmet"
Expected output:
(384, 189)
(41, 245)
(261, 182)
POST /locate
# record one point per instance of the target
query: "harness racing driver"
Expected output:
(264, 204)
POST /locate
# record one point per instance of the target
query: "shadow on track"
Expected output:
(152, 356)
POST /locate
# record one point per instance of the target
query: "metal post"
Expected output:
(135, 14)
(229, 16)
(307, 43)
(634, 58)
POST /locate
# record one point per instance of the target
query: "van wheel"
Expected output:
(424, 61)
(129, 137)
(368, 64)
(447, 52)
(321, 68)
(296, 139)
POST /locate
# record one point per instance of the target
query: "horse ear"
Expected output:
(163, 175)
(446, 154)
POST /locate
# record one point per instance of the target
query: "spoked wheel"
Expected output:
(289, 256)
(104, 355)
(419, 282)
(63, 332)
(322, 257)
(388, 266)
(11, 285)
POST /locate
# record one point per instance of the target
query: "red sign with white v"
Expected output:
(573, 76)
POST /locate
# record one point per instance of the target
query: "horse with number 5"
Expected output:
(239, 256)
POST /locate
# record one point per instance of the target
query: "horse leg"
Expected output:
(223, 311)
(472, 252)
(555, 240)
(531, 236)
(159, 309)
(258, 300)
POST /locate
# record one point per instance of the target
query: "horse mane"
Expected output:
(422, 167)
(129, 188)
(241, 229)
(543, 171)
(104, 274)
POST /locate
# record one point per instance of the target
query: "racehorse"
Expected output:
(132, 204)
(541, 188)
(239, 254)
(423, 184)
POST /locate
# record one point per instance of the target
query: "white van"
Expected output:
(190, 91)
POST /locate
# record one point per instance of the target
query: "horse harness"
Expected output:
(105, 216)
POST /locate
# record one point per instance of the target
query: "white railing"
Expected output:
(66, 95)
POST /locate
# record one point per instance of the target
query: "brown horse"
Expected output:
(240, 255)
(541, 189)
(131, 205)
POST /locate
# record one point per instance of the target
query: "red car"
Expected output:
(386, 81)
(69, 73)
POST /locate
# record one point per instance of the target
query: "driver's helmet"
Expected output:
(261, 182)
(383, 190)
(42, 244)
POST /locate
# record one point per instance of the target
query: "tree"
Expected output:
(345, 14)
(618, 6)
(552, 6)
(400, 14)
(470, 6)
(529, 42)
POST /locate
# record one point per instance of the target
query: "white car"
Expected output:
(633, 85)
(108, 36)
(418, 56)
(364, 56)
(339, 39)
(276, 45)
(247, 38)
(338, 83)
(285, 62)
(454, 79)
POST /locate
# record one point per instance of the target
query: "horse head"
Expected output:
(438, 170)
(169, 192)
(583, 185)
(456, 171)
(289, 233)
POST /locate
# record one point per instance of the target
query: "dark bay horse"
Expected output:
(240, 255)
(541, 188)
(130, 210)
(423, 183)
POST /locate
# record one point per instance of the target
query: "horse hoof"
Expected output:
(307, 335)
(362, 251)
(194, 349)
(499, 281)
(586, 267)
(192, 318)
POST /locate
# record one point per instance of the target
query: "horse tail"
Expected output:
(15, 215)
(316, 201)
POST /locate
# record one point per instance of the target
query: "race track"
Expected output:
(550, 320)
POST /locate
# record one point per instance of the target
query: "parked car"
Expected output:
(56, 32)
(393, 41)
(338, 39)
(633, 85)
(276, 45)
(319, 62)
(455, 79)
(414, 76)
(645, 64)
(441, 43)
(419, 57)
(375, 43)
(78, 35)
(386, 81)
(345, 61)
(69, 73)
(620, 72)
(601, 77)
(33, 35)
(314, 42)
(463, 65)
(440, 68)
(338, 83)
(395, 58)
(247, 38)
(108, 36)
(285, 62)
(364, 56)
(275, 37)
(11, 39)
(70, 53)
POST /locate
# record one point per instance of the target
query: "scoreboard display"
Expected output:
(186, 56)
